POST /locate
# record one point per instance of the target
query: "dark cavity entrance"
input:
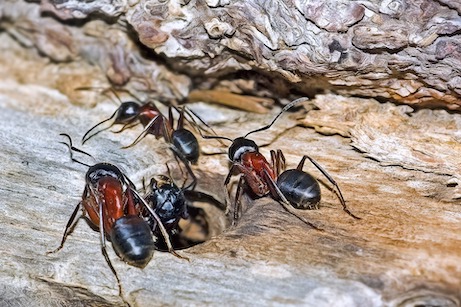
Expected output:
(206, 220)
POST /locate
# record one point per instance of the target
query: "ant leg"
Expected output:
(274, 162)
(278, 161)
(144, 189)
(275, 191)
(104, 249)
(143, 133)
(170, 117)
(332, 181)
(197, 127)
(237, 203)
(167, 129)
(189, 112)
(66, 230)
(170, 176)
(226, 182)
(106, 256)
(281, 159)
(127, 126)
(182, 111)
(160, 225)
(183, 174)
(181, 119)
(183, 159)
(301, 163)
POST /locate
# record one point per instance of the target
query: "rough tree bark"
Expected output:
(404, 51)
(398, 168)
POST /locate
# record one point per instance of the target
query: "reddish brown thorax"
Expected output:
(115, 203)
(255, 167)
(147, 113)
(257, 162)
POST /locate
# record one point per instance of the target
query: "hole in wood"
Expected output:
(205, 220)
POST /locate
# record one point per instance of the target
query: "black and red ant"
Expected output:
(291, 188)
(112, 204)
(182, 142)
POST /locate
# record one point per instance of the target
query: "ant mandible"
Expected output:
(113, 205)
(182, 142)
(292, 188)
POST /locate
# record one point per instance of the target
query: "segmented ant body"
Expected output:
(182, 141)
(186, 224)
(113, 205)
(168, 201)
(292, 188)
(110, 204)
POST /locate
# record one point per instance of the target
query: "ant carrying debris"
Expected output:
(292, 188)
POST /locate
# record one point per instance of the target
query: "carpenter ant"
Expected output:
(113, 205)
(292, 188)
(171, 203)
(182, 142)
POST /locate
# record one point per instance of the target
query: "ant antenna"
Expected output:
(218, 137)
(285, 108)
(197, 127)
(72, 149)
(85, 138)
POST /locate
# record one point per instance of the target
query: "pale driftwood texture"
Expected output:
(404, 51)
(404, 252)
(398, 169)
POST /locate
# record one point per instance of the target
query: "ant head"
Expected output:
(159, 181)
(101, 170)
(240, 146)
(127, 112)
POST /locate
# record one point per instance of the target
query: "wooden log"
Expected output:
(397, 168)
(397, 50)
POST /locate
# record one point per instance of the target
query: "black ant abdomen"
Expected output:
(300, 189)
(187, 144)
(132, 240)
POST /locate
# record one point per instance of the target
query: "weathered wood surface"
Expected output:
(404, 51)
(398, 170)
